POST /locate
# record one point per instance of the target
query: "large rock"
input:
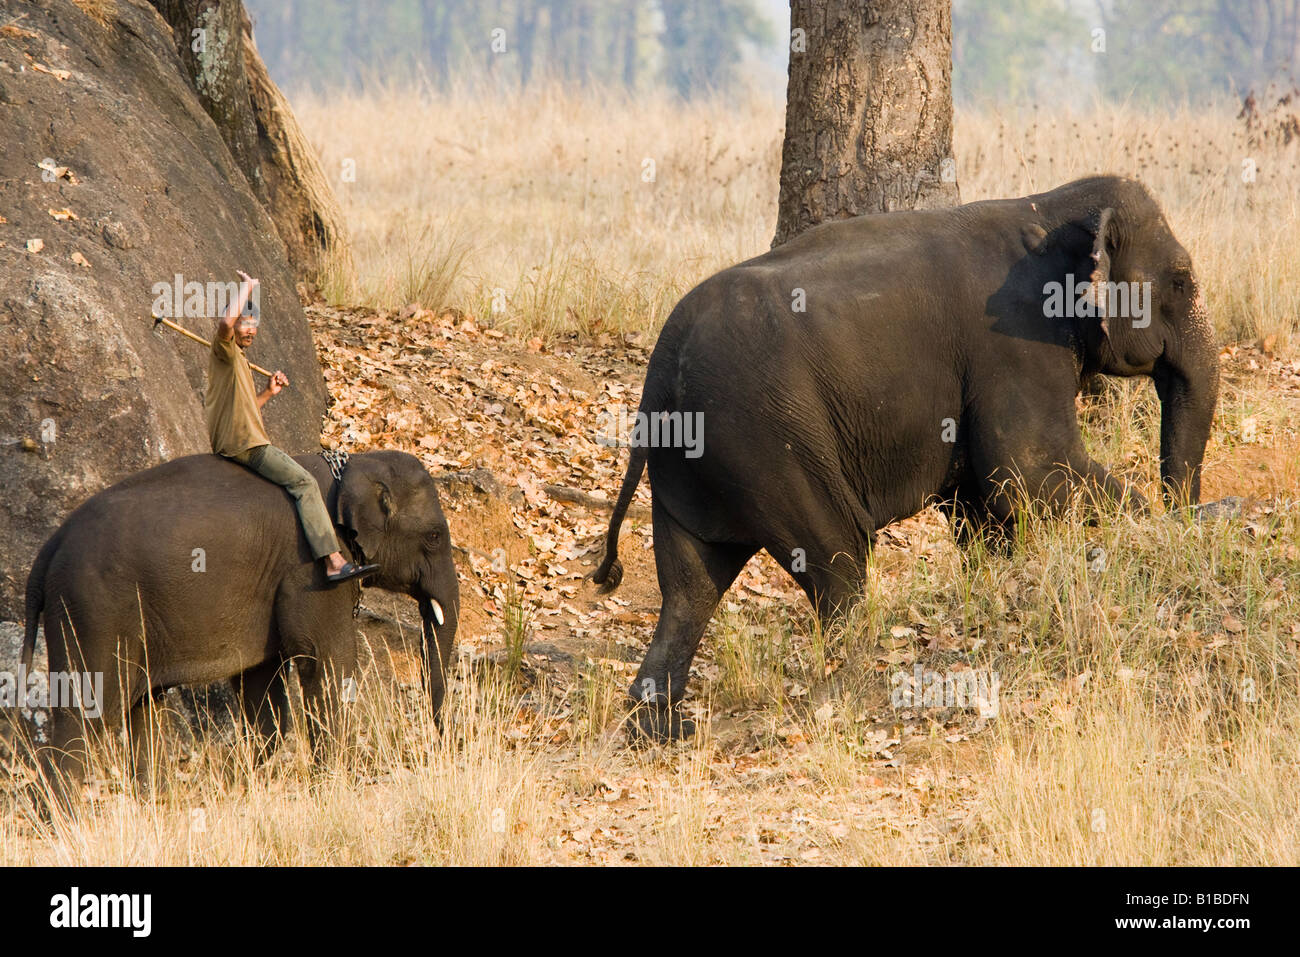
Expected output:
(89, 393)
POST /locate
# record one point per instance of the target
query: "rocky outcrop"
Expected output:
(113, 180)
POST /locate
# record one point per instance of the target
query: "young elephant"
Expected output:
(198, 570)
(873, 364)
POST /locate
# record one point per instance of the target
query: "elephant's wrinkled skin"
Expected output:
(125, 590)
(925, 367)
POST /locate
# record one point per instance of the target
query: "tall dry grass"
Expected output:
(1150, 692)
(540, 211)
(1148, 713)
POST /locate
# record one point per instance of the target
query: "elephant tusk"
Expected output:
(437, 611)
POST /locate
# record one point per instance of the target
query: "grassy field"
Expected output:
(548, 202)
(1148, 688)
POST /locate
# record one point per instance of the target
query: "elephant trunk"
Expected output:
(439, 610)
(1187, 382)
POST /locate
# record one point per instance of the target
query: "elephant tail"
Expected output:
(609, 573)
(35, 604)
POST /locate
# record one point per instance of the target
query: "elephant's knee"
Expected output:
(309, 672)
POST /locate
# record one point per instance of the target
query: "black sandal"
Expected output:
(350, 571)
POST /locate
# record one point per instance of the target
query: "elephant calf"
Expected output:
(871, 365)
(197, 570)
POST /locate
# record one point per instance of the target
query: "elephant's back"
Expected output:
(157, 516)
(194, 540)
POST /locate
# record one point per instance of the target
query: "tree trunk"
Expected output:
(260, 131)
(868, 111)
(630, 45)
(209, 40)
(525, 34)
(298, 194)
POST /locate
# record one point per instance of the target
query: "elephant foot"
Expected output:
(652, 724)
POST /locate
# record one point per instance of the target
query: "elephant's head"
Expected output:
(1149, 314)
(387, 508)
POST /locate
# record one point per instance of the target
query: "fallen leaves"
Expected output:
(63, 215)
(460, 397)
(1232, 625)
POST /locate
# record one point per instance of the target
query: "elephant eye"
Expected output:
(1180, 285)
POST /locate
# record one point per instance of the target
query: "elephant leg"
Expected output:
(971, 520)
(693, 575)
(831, 577)
(826, 553)
(1055, 482)
(148, 739)
(329, 688)
(317, 634)
(265, 702)
(63, 758)
(1093, 475)
(65, 755)
(72, 732)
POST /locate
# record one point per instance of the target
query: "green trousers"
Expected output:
(275, 466)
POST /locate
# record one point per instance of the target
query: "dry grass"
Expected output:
(543, 202)
(99, 10)
(1148, 715)
(1149, 697)
(552, 197)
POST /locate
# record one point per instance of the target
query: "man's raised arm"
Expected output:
(226, 325)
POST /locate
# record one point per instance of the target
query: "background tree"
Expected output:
(1158, 49)
(693, 47)
(214, 40)
(1018, 50)
(868, 123)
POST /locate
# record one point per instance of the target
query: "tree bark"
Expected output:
(868, 111)
(260, 130)
(209, 40)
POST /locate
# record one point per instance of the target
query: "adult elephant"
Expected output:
(197, 570)
(871, 365)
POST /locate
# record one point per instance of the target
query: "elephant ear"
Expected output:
(1103, 232)
(365, 507)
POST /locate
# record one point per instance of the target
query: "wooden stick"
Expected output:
(199, 339)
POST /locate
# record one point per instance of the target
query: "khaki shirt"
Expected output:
(234, 421)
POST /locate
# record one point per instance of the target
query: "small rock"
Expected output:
(116, 235)
(1229, 507)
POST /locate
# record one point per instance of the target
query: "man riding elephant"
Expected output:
(235, 428)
